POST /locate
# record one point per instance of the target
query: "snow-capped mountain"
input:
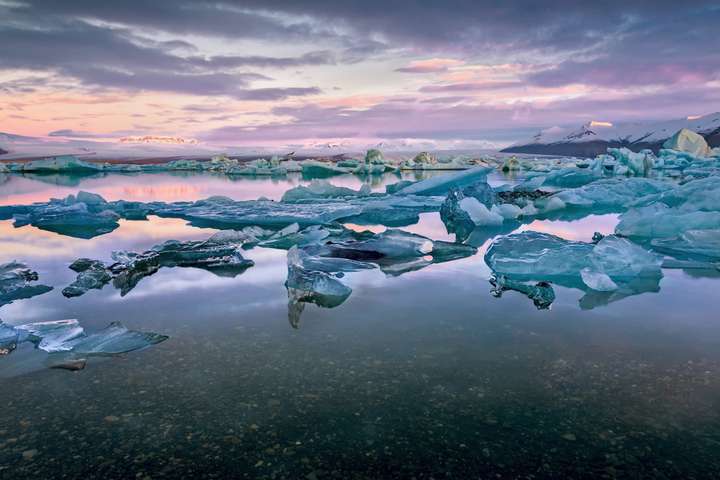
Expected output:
(19, 147)
(159, 140)
(595, 137)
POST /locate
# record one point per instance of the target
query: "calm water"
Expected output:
(424, 375)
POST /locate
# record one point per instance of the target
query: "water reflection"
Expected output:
(235, 391)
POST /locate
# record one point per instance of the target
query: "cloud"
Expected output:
(113, 58)
(75, 134)
(432, 65)
(640, 59)
(462, 120)
(470, 86)
(323, 57)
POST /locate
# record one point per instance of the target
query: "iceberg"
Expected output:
(374, 164)
(63, 163)
(600, 266)
(92, 274)
(598, 281)
(563, 177)
(220, 254)
(638, 164)
(52, 336)
(462, 214)
(292, 235)
(688, 141)
(224, 213)
(310, 286)
(613, 194)
(704, 244)
(441, 184)
(16, 282)
(9, 338)
(85, 216)
(114, 339)
(389, 244)
(321, 190)
(68, 344)
(657, 220)
(316, 169)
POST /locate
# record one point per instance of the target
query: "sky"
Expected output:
(308, 72)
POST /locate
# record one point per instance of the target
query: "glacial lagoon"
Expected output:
(427, 369)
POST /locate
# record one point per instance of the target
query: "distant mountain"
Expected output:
(159, 140)
(594, 138)
(22, 147)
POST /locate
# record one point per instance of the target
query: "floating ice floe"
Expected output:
(88, 215)
(219, 254)
(322, 190)
(612, 264)
(17, 282)
(563, 177)
(63, 163)
(704, 244)
(69, 345)
(694, 205)
(441, 184)
(92, 274)
(602, 196)
(84, 216)
(660, 221)
(307, 285)
(314, 269)
(425, 161)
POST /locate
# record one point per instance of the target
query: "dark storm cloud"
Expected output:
(663, 47)
(112, 57)
(605, 43)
